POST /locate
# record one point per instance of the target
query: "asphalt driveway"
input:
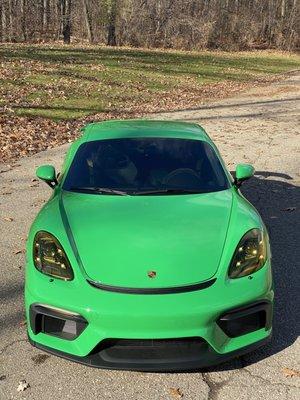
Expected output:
(260, 126)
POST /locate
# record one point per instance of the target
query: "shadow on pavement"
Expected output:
(11, 291)
(277, 202)
(11, 313)
(231, 105)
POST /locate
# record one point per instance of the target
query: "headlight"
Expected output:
(50, 258)
(250, 254)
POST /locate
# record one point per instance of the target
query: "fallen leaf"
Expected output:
(290, 373)
(289, 209)
(176, 392)
(20, 251)
(9, 219)
(23, 385)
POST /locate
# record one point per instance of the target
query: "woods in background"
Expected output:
(181, 24)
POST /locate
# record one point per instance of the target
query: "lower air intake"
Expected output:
(151, 350)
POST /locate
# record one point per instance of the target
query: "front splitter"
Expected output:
(206, 359)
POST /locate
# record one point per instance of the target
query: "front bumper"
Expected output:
(151, 318)
(207, 358)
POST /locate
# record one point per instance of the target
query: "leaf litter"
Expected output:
(23, 385)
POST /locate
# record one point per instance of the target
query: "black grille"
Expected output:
(55, 322)
(246, 319)
(151, 350)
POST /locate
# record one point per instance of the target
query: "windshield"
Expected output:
(146, 166)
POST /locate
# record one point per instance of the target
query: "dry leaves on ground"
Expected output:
(23, 385)
(289, 209)
(290, 373)
(20, 251)
(176, 392)
(26, 133)
(24, 136)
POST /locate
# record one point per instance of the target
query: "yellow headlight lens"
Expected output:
(50, 258)
(250, 254)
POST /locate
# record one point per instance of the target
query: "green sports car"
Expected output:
(147, 256)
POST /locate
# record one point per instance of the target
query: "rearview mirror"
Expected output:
(243, 172)
(47, 173)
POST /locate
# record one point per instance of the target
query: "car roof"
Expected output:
(116, 129)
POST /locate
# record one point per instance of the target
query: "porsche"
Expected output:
(147, 256)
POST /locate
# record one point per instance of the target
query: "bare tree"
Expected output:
(23, 19)
(66, 20)
(3, 22)
(112, 19)
(46, 13)
(186, 24)
(10, 21)
(88, 20)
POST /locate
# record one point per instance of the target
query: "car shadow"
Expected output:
(11, 313)
(277, 200)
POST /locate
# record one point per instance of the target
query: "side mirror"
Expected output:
(47, 173)
(243, 172)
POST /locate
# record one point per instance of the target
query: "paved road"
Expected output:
(261, 127)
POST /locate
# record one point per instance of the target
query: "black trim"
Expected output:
(243, 312)
(38, 312)
(207, 358)
(69, 233)
(164, 290)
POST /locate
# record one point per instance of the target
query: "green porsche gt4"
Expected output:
(147, 256)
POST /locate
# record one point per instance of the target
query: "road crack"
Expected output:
(261, 378)
(3, 350)
(213, 387)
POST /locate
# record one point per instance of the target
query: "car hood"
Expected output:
(120, 239)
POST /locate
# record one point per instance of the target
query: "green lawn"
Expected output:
(71, 82)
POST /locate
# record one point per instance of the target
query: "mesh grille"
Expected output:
(148, 350)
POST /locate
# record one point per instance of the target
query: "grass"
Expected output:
(63, 83)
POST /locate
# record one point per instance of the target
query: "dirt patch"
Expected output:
(40, 358)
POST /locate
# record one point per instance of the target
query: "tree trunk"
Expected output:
(111, 35)
(59, 17)
(3, 23)
(66, 31)
(88, 22)
(282, 9)
(10, 21)
(23, 19)
(46, 9)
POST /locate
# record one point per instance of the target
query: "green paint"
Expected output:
(117, 239)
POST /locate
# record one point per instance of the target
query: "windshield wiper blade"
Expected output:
(166, 191)
(98, 190)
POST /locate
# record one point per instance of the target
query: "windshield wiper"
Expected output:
(98, 190)
(166, 191)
